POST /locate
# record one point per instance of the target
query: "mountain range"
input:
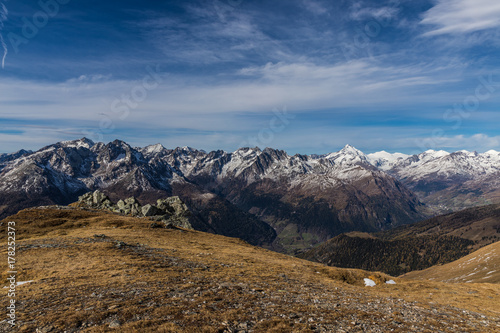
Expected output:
(446, 181)
(266, 197)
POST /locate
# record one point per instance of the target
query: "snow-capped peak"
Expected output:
(434, 153)
(468, 153)
(491, 155)
(391, 157)
(248, 151)
(347, 155)
(151, 149)
(188, 149)
(83, 142)
(348, 149)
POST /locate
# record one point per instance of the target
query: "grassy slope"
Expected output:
(93, 268)
(438, 240)
(482, 265)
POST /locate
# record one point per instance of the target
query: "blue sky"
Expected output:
(303, 76)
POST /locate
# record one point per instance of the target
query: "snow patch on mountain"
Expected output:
(384, 160)
(463, 163)
(152, 149)
(84, 142)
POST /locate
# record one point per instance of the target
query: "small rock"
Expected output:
(45, 329)
(120, 244)
(115, 324)
(369, 283)
(243, 326)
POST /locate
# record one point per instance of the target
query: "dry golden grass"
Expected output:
(360, 234)
(480, 266)
(93, 268)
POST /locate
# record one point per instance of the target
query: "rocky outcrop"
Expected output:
(96, 200)
(171, 211)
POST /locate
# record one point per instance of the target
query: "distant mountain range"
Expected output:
(446, 181)
(266, 197)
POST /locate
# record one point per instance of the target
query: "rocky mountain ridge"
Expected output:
(305, 199)
(60, 173)
(446, 181)
(262, 196)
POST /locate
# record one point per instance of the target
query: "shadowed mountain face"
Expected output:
(251, 194)
(418, 246)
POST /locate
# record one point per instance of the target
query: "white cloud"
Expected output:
(314, 7)
(462, 16)
(210, 111)
(301, 86)
(92, 78)
(360, 13)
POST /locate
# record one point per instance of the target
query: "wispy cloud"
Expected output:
(3, 17)
(315, 7)
(201, 43)
(182, 103)
(462, 16)
(360, 12)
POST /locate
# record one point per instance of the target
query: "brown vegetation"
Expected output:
(99, 272)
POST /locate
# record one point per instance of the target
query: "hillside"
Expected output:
(480, 266)
(478, 224)
(438, 240)
(92, 271)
